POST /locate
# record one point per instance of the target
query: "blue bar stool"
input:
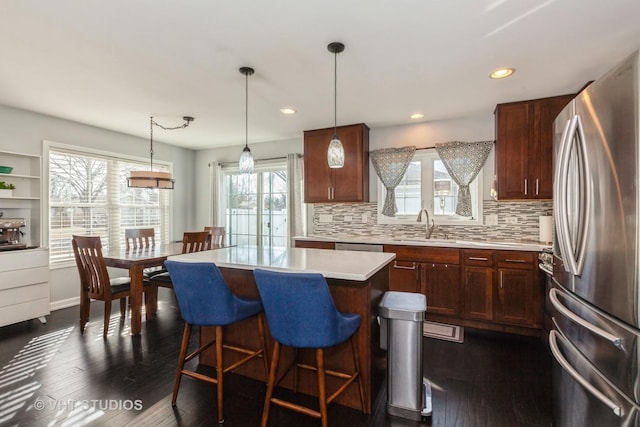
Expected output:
(301, 314)
(205, 300)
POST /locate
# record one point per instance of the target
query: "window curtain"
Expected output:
(390, 165)
(463, 161)
(215, 170)
(295, 196)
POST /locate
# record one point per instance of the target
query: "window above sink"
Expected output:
(427, 184)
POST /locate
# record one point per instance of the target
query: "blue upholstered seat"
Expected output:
(301, 313)
(205, 300)
(300, 310)
(203, 295)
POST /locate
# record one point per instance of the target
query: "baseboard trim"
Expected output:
(65, 303)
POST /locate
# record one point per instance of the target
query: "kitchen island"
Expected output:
(357, 281)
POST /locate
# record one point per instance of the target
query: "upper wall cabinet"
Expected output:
(347, 184)
(524, 147)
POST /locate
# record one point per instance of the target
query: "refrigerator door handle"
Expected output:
(553, 336)
(573, 256)
(553, 298)
(560, 194)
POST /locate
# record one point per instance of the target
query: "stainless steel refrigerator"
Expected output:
(595, 297)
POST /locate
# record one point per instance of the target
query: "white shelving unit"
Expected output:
(26, 199)
(24, 274)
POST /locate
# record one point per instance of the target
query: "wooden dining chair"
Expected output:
(95, 282)
(139, 238)
(217, 236)
(192, 241)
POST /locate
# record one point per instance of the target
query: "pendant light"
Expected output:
(151, 178)
(246, 159)
(335, 153)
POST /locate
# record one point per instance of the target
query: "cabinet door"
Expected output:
(516, 296)
(403, 276)
(351, 182)
(512, 149)
(441, 284)
(478, 293)
(541, 145)
(317, 174)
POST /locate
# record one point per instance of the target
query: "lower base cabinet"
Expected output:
(441, 285)
(490, 289)
(24, 285)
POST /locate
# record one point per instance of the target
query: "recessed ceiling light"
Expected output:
(417, 115)
(502, 73)
(287, 111)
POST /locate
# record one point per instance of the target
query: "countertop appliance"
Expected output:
(595, 340)
(11, 235)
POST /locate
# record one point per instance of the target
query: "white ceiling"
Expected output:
(114, 63)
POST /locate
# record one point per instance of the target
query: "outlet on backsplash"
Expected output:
(325, 218)
(511, 220)
(491, 220)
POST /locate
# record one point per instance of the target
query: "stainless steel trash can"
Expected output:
(401, 319)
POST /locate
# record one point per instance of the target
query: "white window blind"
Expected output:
(88, 195)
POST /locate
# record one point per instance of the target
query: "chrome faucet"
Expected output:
(430, 228)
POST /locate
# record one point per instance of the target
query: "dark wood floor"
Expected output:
(53, 375)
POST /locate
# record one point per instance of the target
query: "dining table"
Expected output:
(136, 260)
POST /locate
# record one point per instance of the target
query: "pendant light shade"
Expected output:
(246, 159)
(155, 179)
(335, 152)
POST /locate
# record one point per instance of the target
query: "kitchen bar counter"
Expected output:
(523, 245)
(357, 281)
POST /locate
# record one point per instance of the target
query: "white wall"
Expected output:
(23, 132)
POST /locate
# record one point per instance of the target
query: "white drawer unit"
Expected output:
(24, 285)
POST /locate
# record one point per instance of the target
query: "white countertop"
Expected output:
(347, 265)
(524, 245)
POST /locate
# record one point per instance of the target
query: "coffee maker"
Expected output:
(11, 235)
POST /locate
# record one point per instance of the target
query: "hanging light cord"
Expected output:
(152, 123)
(151, 142)
(335, 93)
(246, 110)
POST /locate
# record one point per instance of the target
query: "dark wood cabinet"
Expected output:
(519, 291)
(441, 285)
(404, 276)
(314, 244)
(524, 147)
(435, 272)
(347, 184)
(478, 283)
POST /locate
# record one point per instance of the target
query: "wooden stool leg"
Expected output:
(219, 373)
(263, 343)
(322, 393)
(186, 334)
(356, 363)
(271, 383)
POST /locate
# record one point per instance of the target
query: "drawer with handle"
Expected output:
(480, 258)
(517, 259)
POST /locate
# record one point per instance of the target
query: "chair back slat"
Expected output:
(217, 236)
(195, 241)
(139, 238)
(94, 278)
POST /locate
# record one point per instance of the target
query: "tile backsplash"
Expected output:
(360, 219)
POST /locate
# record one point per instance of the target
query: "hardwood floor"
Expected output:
(51, 375)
